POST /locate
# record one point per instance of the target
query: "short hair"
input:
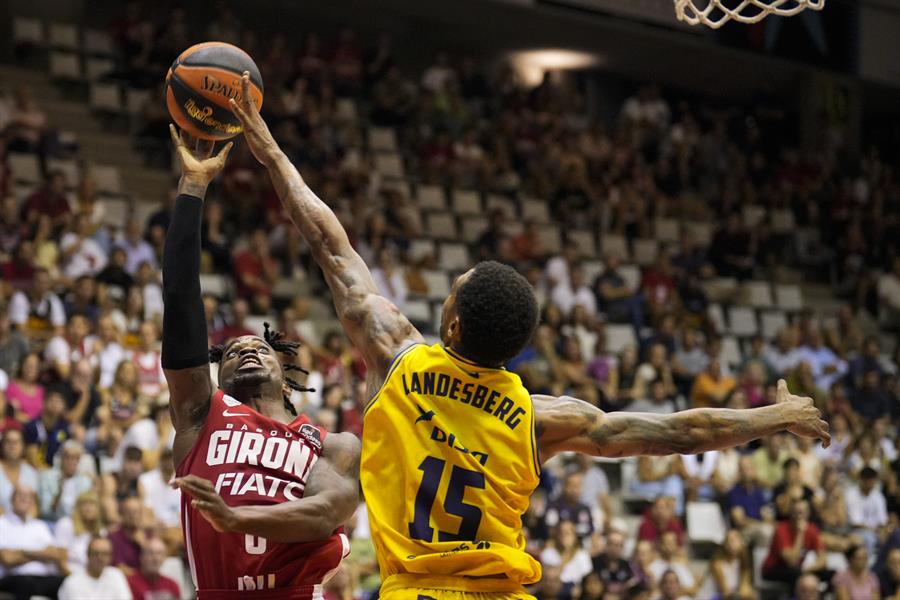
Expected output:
(850, 551)
(498, 313)
(791, 462)
(868, 473)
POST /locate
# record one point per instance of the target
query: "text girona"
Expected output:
(271, 451)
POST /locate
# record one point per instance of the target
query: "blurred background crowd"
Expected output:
(686, 253)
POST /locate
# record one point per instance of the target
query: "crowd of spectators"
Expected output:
(85, 452)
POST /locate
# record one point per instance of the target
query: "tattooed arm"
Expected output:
(373, 323)
(567, 424)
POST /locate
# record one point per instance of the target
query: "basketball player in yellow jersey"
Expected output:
(452, 442)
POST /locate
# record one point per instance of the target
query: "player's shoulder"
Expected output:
(343, 451)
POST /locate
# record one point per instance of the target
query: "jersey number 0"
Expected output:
(432, 471)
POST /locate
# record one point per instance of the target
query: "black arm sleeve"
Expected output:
(184, 335)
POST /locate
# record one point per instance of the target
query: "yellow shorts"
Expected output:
(400, 587)
(432, 594)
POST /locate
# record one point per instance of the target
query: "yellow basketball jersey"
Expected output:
(449, 462)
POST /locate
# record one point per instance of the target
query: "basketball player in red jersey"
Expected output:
(264, 491)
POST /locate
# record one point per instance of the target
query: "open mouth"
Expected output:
(250, 362)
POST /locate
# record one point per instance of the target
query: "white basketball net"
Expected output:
(715, 13)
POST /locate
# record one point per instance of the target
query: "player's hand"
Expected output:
(806, 420)
(207, 500)
(256, 132)
(198, 165)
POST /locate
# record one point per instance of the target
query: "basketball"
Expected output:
(200, 83)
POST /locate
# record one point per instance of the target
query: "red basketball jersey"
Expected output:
(252, 459)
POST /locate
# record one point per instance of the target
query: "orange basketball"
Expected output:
(201, 82)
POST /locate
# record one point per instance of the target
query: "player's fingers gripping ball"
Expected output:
(200, 83)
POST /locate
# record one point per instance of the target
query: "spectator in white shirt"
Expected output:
(29, 560)
(60, 486)
(40, 303)
(75, 532)
(866, 507)
(671, 560)
(784, 355)
(439, 75)
(64, 350)
(158, 495)
(826, 366)
(566, 296)
(82, 255)
(566, 552)
(137, 249)
(99, 581)
(108, 351)
(558, 267)
(390, 279)
(147, 280)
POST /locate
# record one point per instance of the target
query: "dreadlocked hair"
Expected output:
(276, 340)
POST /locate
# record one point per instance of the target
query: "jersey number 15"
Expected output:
(432, 471)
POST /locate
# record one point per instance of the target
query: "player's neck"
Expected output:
(268, 406)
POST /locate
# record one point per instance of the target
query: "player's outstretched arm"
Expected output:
(568, 424)
(372, 322)
(330, 498)
(185, 352)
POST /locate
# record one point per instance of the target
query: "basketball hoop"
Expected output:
(715, 13)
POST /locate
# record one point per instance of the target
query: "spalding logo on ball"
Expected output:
(201, 82)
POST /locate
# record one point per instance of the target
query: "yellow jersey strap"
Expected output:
(394, 364)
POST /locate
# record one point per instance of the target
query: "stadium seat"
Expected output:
(63, 36)
(619, 337)
(782, 221)
(98, 43)
(115, 212)
(135, 99)
(97, 68)
(215, 285)
(107, 179)
(731, 352)
(65, 66)
(472, 227)
(418, 311)
(720, 288)
(68, 167)
(613, 244)
(592, 269)
(466, 202)
(345, 110)
(705, 522)
(438, 283)
(702, 232)
(389, 165)
(453, 257)
(717, 317)
(757, 294)
(27, 31)
(535, 210)
(288, 288)
(382, 139)
(421, 248)
(507, 205)
(430, 197)
(105, 97)
(771, 322)
(753, 214)
(666, 230)
(584, 239)
(441, 225)
(632, 275)
(25, 168)
(789, 297)
(645, 251)
(550, 238)
(742, 322)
